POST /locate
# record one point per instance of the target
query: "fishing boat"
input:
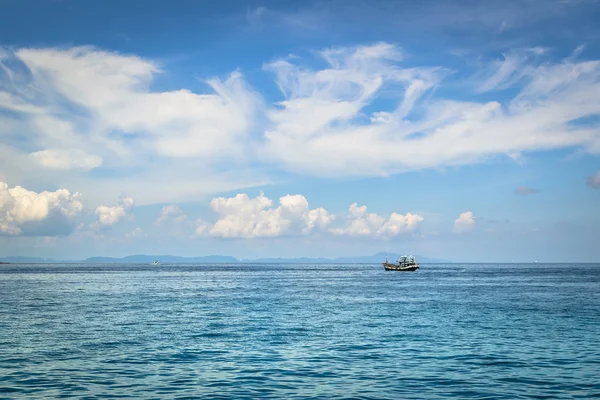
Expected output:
(404, 263)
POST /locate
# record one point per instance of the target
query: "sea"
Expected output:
(299, 331)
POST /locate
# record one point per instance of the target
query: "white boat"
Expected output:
(404, 263)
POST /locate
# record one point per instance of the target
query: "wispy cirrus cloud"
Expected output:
(491, 19)
(514, 66)
(365, 113)
(304, 20)
(328, 126)
(82, 108)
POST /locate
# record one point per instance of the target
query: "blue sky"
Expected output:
(462, 130)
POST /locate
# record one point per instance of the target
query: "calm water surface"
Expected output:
(299, 331)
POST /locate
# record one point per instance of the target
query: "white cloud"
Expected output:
(24, 212)
(108, 216)
(66, 159)
(82, 108)
(114, 88)
(365, 114)
(324, 128)
(362, 223)
(505, 73)
(243, 217)
(201, 228)
(171, 213)
(464, 223)
(517, 65)
(594, 180)
(136, 234)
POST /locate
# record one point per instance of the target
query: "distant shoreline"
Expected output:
(167, 258)
(251, 262)
(230, 260)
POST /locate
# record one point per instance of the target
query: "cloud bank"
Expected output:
(25, 212)
(243, 217)
(68, 112)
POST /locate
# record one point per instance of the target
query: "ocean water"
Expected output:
(299, 331)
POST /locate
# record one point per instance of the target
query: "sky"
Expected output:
(462, 130)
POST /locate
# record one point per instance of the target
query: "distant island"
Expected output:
(143, 258)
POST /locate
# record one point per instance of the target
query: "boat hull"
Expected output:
(396, 267)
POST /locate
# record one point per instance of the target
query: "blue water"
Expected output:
(299, 331)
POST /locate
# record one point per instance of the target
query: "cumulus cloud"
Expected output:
(525, 190)
(108, 216)
(464, 223)
(362, 223)
(243, 217)
(24, 212)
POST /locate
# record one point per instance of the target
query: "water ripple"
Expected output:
(299, 331)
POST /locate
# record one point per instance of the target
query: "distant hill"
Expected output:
(380, 257)
(148, 259)
(298, 260)
(142, 258)
(27, 260)
(374, 259)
